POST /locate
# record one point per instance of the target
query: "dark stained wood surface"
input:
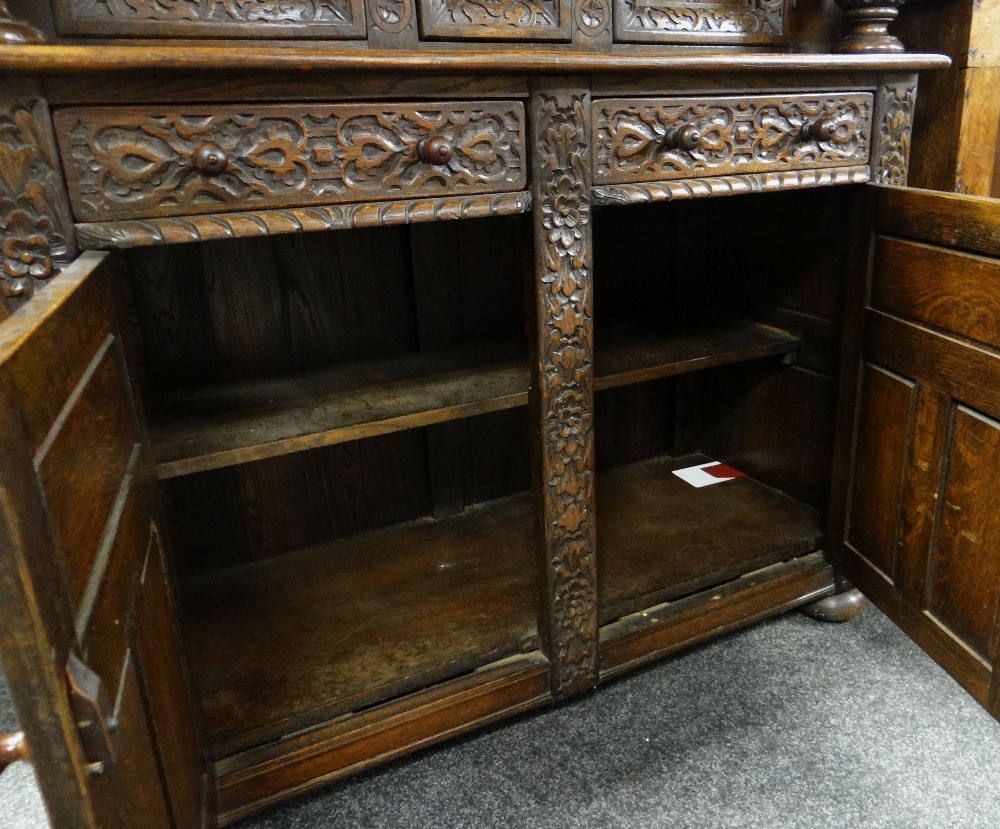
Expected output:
(235, 423)
(76, 530)
(660, 538)
(943, 288)
(214, 426)
(253, 58)
(256, 778)
(924, 431)
(292, 642)
(652, 633)
(886, 416)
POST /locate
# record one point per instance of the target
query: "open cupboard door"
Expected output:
(916, 508)
(88, 639)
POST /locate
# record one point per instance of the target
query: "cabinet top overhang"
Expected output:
(56, 59)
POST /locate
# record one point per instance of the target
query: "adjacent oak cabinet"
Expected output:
(349, 350)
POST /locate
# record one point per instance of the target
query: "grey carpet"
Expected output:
(792, 723)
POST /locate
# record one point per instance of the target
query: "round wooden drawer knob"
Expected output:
(822, 129)
(684, 138)
(12, 748)
(210, 160)
(435, 150)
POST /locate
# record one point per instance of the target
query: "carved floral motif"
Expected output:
(391, 15)
(562, 216)
(592, 16)
(34, 242)
(496, 19)
(239, 18)
(262, 11)
(891, 155)
(659, 19)
(123, 164)
(735, 136)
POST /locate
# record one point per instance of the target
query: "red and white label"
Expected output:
(706, 474)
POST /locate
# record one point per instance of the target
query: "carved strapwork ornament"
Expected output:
(14, 32)
(231, 18)
(894, 106)
(34, 221)
(564, 382)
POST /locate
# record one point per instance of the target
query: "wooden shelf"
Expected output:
(641, 351)
(232, 423)
(660, 538)
(285, 644)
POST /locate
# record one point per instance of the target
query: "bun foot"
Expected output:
(842, 607)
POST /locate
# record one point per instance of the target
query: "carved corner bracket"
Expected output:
(892, 131)
(564, 381)
(35, 235)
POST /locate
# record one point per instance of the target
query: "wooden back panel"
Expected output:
(920, 529)
(81, 569)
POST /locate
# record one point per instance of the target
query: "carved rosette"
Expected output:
(894, 129)
(746, 135)
(650, 20)
(592, 16)
(123, 164)
(392, 16)
(565, 383)
(34, 227)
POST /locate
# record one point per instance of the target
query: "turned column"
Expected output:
(15, 32)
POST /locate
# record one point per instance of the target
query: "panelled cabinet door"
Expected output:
(916, 513)
(88, 640)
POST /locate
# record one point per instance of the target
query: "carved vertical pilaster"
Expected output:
(35, 226)
(892, 130)
(563, 382)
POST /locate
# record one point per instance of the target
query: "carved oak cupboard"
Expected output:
(343, 384)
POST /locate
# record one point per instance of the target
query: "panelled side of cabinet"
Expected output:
(563, 384)
(918, 530)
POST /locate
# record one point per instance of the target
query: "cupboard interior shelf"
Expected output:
(286, 643)
(222, 425)
(659, 538)
(369, 618)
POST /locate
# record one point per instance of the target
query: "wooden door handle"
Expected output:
(13, 747)
(685, 138)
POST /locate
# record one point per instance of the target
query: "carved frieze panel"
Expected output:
(123, 164)
(656, 140)
(679, 21)
(496, 19)
(229, 18)
(565, 383)
(35, 238)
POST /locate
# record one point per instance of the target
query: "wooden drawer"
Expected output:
(128, 163)
(661, 139)
(696, 21)
(496, 19)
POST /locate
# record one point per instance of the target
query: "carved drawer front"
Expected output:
(212, 18)
(124, 163)
(496, 19)
(662, 139)
(694, 21)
